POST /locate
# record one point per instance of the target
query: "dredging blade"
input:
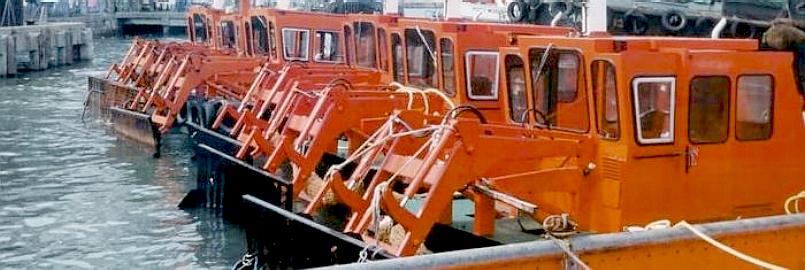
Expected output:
(136, 126)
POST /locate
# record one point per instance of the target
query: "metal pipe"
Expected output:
(585, 244)
(556, 18)
(719, 27)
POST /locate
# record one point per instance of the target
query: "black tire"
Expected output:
(534, 11)
(566, 7)
(743, 30)
(674, 21)
(635, 22)
(703, 26)
(517, 11)
(210, 112)
(195, 113)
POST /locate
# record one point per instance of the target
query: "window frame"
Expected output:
(428, 51)
(398, 68)
(509, 101)
(257, 38)
(225, 25)
(468, 82)
(452, 92)
(638, 128)
(729, 107)
(772, 105)
(358, 39)
(599, 130)
(318, 43)
(307, 46)
(382, 45)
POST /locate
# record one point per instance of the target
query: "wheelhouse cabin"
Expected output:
(671, 128)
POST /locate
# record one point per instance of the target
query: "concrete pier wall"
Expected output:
(39, 47)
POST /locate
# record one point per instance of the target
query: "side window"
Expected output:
(605, 89)
(199, 29)
(327, 47)
(654, 108)
(365, 45)
(349, 50)
(557, 86)
(515, 87)
(754, 108)
(382, 47)
(708, 119)
(249, 38)
(295, 43)
(568, 76)
(448, 70)
(260, 35)
(272, 40)
(419, 46)
(228, 34)
(397, 57)
(482, 75)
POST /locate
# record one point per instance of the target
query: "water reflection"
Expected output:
(73, 196)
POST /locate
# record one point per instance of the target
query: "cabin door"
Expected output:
(655, 187)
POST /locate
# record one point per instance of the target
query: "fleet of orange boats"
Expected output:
(410, 126)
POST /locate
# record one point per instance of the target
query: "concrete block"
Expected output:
(45, 51)
(3, 55)
(11, 57)
(87, 49)
(69, 49)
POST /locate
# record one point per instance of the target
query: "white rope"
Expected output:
(794, 200)
(374, 206)
(427, 46)
(566, 248)
(728, 249)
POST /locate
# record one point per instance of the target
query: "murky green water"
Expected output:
(74, 196)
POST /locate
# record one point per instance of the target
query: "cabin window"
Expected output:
(605, 89)
(556, 77)
(421, 58)
(397, 57)
(709, 109)
(482, 75)
(272, 40)
(755, 101)
(295, 43)
(448, 69)
(327, 49)
(350, 51)
(199, 29)
(249, 38)
(228, 35)
(654, 103)
(515, 86)
(382, 48)
(260, 35)
(365, 43)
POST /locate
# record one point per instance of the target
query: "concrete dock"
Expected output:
(39, 47)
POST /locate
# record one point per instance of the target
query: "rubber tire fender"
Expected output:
(210, 111)
(183, 114)
(703, 26)
(553, 8)
(632, 21)
(668, 25)
(534, 7)
(735, 27)
(523, 10)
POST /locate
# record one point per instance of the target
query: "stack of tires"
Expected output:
(543, 11)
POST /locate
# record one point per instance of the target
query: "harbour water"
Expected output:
(74, 196)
